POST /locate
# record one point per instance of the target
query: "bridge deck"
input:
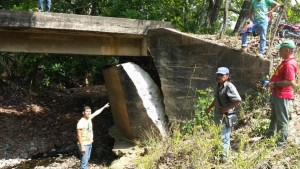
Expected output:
(37, 32)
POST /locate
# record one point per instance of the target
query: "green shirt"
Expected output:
(260, 9)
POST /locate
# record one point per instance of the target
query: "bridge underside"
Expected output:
(38, 41)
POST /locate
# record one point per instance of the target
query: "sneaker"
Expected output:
(243, 48)
(36, 10)
(223, 159)
(281, 144)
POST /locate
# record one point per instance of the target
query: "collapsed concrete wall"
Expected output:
(136, 101)
(179, 65)
(186, 63)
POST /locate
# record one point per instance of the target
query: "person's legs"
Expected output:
(89, 150)
(48, 5)
(40, 4)
(272, 126)
(244, 39)
(281, 111)
(263, 37)
(225, 136)
(84, 158)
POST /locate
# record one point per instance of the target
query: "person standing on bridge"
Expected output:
(281, 84)
(259, 10)
(41, 5)
(226, 99)
(85, 134)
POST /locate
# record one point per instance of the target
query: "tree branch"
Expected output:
(232, 10)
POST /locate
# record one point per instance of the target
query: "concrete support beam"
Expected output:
(45, 42)
(117, 101)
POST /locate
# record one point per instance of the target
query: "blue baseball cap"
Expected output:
(223, 70)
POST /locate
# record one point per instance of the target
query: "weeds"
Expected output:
(196, 143)
(201, 119)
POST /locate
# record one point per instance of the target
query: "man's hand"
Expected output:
(272, 85)
(83, 150)
(97, 112)
(223, 110)
(106, 106)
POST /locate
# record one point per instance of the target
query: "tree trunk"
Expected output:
(215, 12)
(226, 10)
(244, 14)
(209, 12)
(202, 13)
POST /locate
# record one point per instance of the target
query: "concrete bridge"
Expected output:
(39, 32)
(170, 64)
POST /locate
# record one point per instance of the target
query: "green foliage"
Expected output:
(201, 119)
(135, 9)
(17, 5)
(64, 71)
(255, 110)
(253, 101)
(293, 16)
(259, 126)
(188, 16)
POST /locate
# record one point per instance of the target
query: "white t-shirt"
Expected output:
(87, 130)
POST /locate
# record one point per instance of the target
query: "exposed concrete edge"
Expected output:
(172, 30)
(153, 103)
(60, 21)
(200, 39)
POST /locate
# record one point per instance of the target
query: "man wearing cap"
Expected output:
(259, 9)
(226, 98)
(281, 84)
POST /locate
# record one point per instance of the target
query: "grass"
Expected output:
(201, 149)
(197, 144)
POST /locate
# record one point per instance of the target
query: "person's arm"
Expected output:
(282, 83)
(97, 112)
(210, 106)
(79, 137)
(274, 7)
(231, 106)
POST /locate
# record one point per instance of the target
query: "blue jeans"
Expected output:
(225, 136)
(279, 119)
(225, 133)
(260, 27)
(84, 158)
(41, 5)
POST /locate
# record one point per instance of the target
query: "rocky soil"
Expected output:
(39, 128)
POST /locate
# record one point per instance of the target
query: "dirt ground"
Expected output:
(42, 126)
